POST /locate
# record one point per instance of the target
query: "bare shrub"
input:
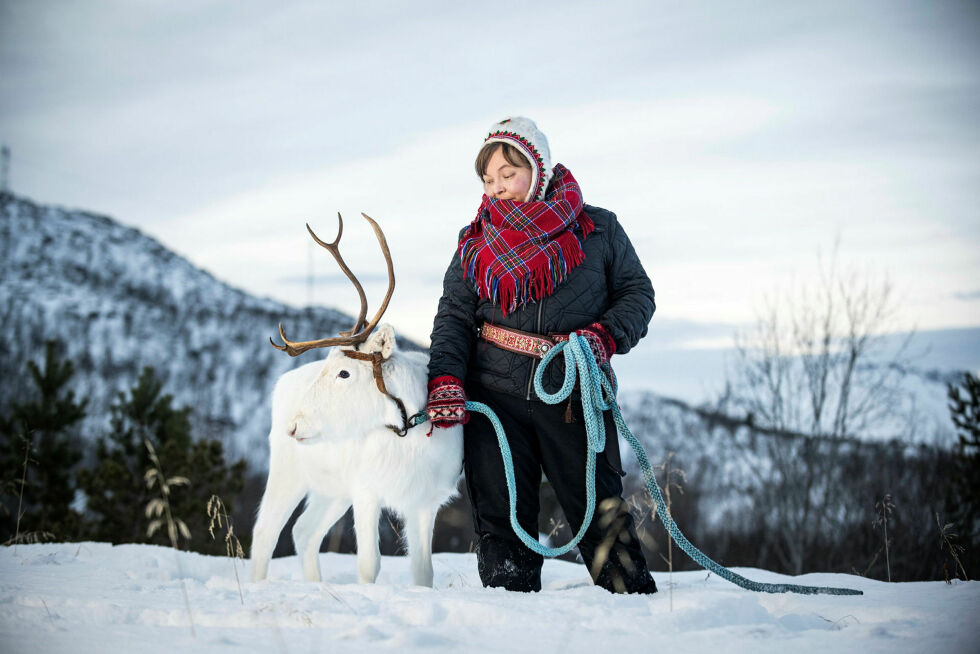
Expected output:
(817, 374)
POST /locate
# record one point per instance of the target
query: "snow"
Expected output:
(94, 597)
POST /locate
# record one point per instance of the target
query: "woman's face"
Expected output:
(505, 181)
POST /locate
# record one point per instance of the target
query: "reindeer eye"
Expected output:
(343, 374)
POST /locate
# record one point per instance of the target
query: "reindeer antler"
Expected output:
(334, 249)
(359, 332)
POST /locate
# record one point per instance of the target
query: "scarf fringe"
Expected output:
(539, 282)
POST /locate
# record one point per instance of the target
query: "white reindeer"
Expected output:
(334, 441)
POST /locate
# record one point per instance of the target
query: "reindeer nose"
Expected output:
(292, 430)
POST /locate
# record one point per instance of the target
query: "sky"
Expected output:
(736, 141)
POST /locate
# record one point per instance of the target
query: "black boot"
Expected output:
(624, 576)
(508, 564)
(617, 562)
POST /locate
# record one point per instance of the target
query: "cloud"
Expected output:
(732, 143)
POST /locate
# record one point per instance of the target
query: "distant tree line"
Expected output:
(746, 493)
(54, 490)
(796, 503)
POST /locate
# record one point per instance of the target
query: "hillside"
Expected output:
(121, 301)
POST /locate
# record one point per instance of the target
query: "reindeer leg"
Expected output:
(283, 491)
(367, 512)
(320, 514)
(418, 527)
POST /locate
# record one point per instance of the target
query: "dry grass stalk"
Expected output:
(610, 519)
(30, 538)
(20, 495)
(874, 560)
(643, 507)
(556, 526)
(159, 509)
(47, 610)
(669, 474)
(399, 538)
(218, 515)
(948, 545)
(883, 512)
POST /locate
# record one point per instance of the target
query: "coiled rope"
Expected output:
(598, 395)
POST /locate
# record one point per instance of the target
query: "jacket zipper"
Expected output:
(534, 363)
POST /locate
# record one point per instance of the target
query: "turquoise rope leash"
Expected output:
(598, 395)
(532, 543)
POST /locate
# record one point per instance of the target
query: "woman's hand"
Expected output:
(600, 341)
(447, 402)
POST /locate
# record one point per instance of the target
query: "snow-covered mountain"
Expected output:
(120, 301)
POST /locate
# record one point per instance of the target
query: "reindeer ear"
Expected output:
(382, 340)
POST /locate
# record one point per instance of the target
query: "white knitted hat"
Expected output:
(524, 135)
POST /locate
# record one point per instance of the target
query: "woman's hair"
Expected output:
(511, 154)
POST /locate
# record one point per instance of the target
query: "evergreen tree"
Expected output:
(964, 498)
(39, 431)
(116, 488)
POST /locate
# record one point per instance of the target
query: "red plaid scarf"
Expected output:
(518, 252)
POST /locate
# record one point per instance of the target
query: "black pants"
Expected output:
(540, 439)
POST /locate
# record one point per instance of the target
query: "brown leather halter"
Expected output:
(376, 360)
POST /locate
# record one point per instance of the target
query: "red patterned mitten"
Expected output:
(601, 342)
(447, 402)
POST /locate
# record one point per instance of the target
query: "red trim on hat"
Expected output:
(529, 148)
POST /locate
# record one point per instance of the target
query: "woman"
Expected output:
(535, 265)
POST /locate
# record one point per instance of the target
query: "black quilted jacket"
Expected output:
(609, 286)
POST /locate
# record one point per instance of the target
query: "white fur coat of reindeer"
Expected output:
(333, 441)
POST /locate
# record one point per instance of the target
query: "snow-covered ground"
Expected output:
(93, 597)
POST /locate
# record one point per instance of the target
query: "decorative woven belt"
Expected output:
(514, 340)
